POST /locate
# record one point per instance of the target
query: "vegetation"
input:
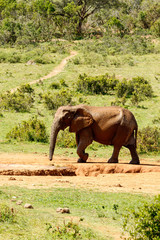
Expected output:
(6, 214)
(117, 64)
(137, 88)
(31, 130)
(101, 84)
(23, 22)
(63, 97)
(144, 222)
(88, 211)
(149, 140)
(21, 100)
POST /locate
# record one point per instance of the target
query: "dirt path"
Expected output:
(55, 71)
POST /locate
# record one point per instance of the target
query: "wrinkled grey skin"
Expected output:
(107, 125)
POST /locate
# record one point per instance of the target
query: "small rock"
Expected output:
(13, 200)
(59, 209)
(118, 185)
(31, 62)
(27, 205)
(19, 202)
(12, 178)
(63, 210)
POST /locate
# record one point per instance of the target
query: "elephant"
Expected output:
(111, 125)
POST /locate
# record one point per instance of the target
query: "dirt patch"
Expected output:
(36, 171)
(35, 165)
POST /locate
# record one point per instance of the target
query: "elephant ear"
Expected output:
(82, 119)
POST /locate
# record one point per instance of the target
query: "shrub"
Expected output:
(149, 139)
(123, 88)
(54, 86)
(3, 57)
(6, 213)
(102, 84)
(55, 100)
(156, 120)
(31, 130)
(144, 223)
(14, 58)
(70, 231)
(156, 28)
(21, 100)
(43, 60)
(66, 139)
(138, 89)
(137, 85)
(142, 87)
(63, 83)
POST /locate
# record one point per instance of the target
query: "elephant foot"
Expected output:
(80, 160)
(83, 158)
(135, 161)
(113, 160)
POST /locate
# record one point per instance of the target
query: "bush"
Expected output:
(43, 60)
(31, 130)
(123, 88)
(54, 86)
(54, 100)
(21, 100)
(137, 85)
(6, 213)
(70, 231)
(138, 89)
(149, 140)
(66, 139)
(102, 84)
(61, 84)
(144, 223)
(156, 28)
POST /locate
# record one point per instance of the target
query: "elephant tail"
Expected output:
(135, 135)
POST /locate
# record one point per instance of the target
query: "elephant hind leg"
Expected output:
(134, 155)
(114, 157)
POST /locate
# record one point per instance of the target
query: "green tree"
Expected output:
(83, 9)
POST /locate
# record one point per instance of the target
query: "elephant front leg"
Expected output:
(114, 157)
(83, 141)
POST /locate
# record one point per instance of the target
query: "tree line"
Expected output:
(29, 21)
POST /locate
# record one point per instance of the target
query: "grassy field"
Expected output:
(94, 215)
(89, 61)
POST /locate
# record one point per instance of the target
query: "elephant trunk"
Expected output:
(54, 132)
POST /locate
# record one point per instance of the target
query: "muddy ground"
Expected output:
(36, 171)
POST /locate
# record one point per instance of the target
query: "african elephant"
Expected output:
(107, 125)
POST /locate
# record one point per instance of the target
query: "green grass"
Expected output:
(91, 211)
